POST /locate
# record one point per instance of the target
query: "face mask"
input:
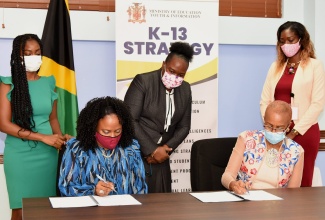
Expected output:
(33, 63)
(171, 81)
(291, 49)
(107, 142)
(274, 137)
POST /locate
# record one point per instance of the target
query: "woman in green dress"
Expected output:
(29, 118)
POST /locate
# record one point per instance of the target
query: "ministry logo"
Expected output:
(137, 13)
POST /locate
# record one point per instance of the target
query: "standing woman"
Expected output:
(298, 78)
(160, 102)
(29, 118)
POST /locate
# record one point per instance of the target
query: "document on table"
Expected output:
(227, 196)
(86, 201)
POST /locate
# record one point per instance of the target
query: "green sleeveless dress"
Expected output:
(30, 168)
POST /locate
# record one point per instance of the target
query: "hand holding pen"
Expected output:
(104, 189)
(239, 187)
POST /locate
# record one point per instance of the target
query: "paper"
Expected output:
(221, 196)
(226, 196)
(115, 200)
(67, 202)
(85, 201)
(259, 195)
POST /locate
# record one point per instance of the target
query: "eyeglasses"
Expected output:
(271, 128)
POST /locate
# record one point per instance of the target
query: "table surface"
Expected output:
(301, 203)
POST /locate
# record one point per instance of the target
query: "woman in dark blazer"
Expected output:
(160, 102)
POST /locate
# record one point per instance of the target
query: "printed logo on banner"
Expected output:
(137, 13)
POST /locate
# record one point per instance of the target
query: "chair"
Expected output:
(209, 158)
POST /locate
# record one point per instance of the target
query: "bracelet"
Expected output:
(295, 131)
(153, 154)
(22, 130)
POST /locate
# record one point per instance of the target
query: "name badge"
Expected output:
(294, 112)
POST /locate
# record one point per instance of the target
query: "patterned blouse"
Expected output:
(123, 167)
(248, 163)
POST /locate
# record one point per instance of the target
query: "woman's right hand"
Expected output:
(54, 140)
(238, 187)
(103, 189)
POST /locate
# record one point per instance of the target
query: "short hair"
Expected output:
(279, 107)
(97, 109)
(307, 46)
(182, 50)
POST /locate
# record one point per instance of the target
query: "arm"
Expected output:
(267, 95)
(317, 100)
(138, 183)
(183, 127)
(54, 122)
(295, 180)
(10, 128)
(234, 163)
(134, 98)
(73, 178)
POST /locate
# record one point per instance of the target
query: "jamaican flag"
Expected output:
(58, 61)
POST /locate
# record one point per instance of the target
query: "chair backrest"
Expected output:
(209, 158)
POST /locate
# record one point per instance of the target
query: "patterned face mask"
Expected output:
(291, 49)
(171, 81)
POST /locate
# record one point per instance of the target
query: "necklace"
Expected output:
(108, 155)
(271, 158)
(292, 67)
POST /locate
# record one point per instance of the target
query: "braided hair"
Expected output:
(22, 110)
(182, 50)
(97, 109)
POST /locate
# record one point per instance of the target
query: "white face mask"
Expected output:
(33, 62)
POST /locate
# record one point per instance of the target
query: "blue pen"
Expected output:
(101, 178)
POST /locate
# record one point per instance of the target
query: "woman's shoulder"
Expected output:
(50, 79)
(6, 80)
(293, 146)
(248, 134)
(134, 147)
(73, 145)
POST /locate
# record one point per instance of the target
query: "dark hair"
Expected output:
(22, 110)
(97, 109)
(182, 50)
(307, 47)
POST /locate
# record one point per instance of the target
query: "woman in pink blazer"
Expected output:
(297, 78)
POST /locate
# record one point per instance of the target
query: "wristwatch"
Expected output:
(295, 131)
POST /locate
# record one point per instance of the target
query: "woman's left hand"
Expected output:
(291, 135)
(67, 137)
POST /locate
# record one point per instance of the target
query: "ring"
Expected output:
(101, 191)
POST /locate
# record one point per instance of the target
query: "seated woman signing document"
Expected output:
(267, 158)
(104, 158)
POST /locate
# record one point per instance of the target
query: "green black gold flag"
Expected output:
(58, 61)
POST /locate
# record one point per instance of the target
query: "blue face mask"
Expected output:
(274, 137)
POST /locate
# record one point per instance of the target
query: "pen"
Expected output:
(101, 178)
(247, 189)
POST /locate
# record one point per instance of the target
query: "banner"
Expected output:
(144, 31)
(58, 61)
